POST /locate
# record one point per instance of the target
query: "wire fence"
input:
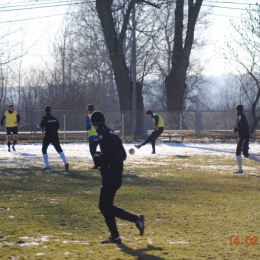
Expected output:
(189, 123)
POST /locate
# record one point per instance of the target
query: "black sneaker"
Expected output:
(140, 224)
(67, 166)
(111, 240)
(9, 149)
(46, 168)
(137, 146)
(153, 152)
(13, 148)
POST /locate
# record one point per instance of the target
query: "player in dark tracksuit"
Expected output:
(243, 139)
(110, 160)
(159, 127)
(50, 125)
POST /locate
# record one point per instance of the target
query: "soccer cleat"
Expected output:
(238, 172)
(111, 240)
(137, 146)
(13, 148)
(46, 168)
(140, 224)
(67, 166)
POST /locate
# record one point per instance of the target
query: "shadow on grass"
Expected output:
(141, 253)
(183, 156)
(201, 147)
(77, 175)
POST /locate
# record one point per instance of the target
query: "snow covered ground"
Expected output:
(78, 153)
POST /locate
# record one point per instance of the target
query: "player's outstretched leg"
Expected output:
(138, 146)
(253, 157)
(140, 224)
(153, 146)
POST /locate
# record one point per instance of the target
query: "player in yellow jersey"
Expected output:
(12, 119)
(159, 126)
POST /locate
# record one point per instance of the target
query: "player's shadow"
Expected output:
(210, 149)
(141, 253)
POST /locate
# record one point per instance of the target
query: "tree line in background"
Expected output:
(91, 61)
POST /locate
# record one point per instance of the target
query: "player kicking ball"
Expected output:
(159, 127)
(243, 139)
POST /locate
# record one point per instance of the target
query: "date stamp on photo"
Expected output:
(249, 240)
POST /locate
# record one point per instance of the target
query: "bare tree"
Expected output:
(163, 40)
(175, 81)
(244, 53)
(115, 40)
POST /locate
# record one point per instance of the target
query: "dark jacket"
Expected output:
(242, 126)
(112, 153)
(50, 125)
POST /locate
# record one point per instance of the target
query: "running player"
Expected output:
(243, 139)
(50, 125)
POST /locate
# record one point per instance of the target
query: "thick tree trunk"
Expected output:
(175, 82)
(115, 47)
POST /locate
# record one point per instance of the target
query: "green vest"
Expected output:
(11, 120)
(160, 122)
(92, 131)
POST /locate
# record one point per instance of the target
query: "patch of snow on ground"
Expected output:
(30, 155)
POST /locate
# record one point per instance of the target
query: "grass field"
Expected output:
(194, 209)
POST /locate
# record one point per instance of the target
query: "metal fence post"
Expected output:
(198, 120)
(181, 136)
(64, 131)
(123, 127)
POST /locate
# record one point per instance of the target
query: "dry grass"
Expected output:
(191, 210)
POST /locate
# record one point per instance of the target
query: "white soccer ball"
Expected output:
(131, 150)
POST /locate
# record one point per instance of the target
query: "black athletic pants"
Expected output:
(55, 142)
(109, 187)
(151, 138)
(93, 147)
(243, 145)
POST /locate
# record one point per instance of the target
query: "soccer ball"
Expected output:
(131, 150)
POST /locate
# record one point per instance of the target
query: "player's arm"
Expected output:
(105, 145)
(124, 155)
(243, 126)
(42, 124)
(88, 123)
(106, 153)
(18, 118)
(58, 124)
(2, 121)
(156, 121)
